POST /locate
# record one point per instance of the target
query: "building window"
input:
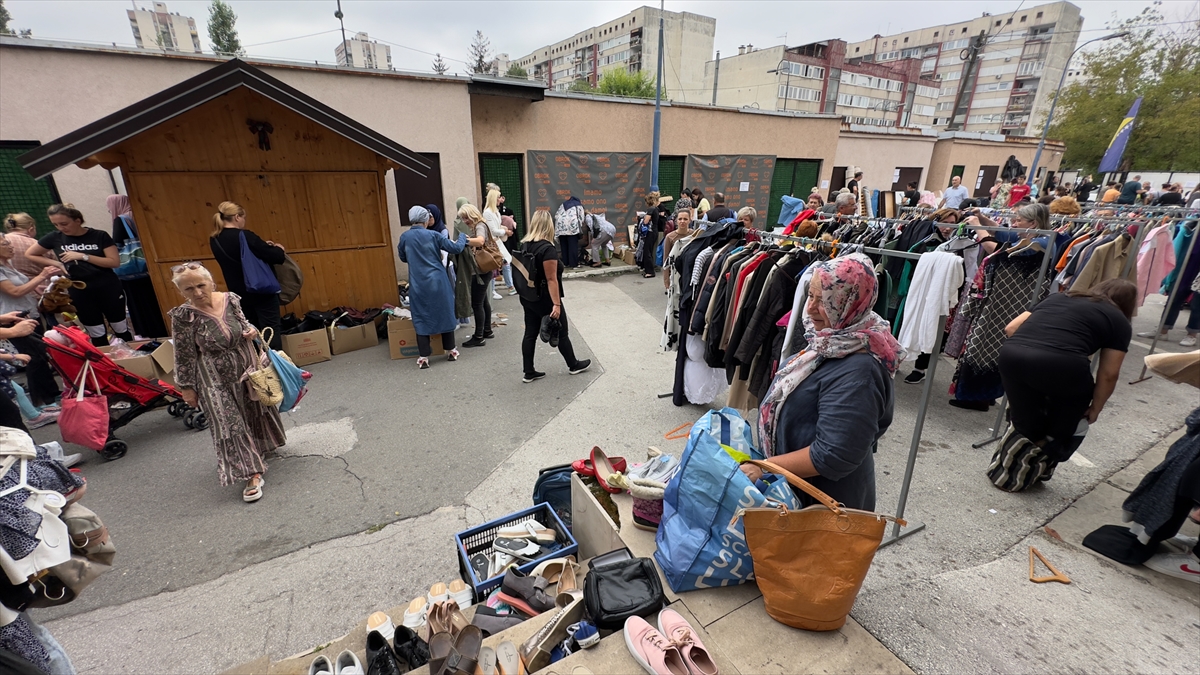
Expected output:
(856, 50)
(893, 43)
(997, 23)
(964, 30)
(800, 93)
(935, 33)
(1039, 15)
(951, 32)
(1009, 22)
(905, 40)
(1023, 19)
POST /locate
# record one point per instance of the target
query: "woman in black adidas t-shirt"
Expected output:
(90, 256)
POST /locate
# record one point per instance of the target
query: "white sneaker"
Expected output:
(1150, 334)
(497, 296)
(348, 664)
(320, 666)
(414, 616)
(380, 621)
(1180, 544)
(1188, 341)
(1178, 565)
(71, 460)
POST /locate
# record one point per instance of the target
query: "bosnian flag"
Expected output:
(1112, 158)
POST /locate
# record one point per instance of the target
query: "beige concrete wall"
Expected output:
(48, 92)
(879, 155)
(972, 154)
(743, 80)
(508, 125)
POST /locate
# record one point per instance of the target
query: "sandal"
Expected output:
(649, 276)
(253, 493)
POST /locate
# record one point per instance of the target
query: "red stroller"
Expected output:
(128, 395)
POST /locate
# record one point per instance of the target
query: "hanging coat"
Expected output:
(1012, 168)
(430, 294)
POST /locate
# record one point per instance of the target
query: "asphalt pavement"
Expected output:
(386, 462)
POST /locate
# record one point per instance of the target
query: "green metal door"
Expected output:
(505, 171)
(793, 177)
(670, 176)
(958, 170)
(19, 192)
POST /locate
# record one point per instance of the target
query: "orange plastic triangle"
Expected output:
(1057, 576)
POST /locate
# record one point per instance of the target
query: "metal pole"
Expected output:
(657, 101)
(915, 445)
(787, 87)
(1170, 299)
(345, 47)
(1046, 127)
(716, 74)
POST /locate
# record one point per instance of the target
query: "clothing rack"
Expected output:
(1162, 320)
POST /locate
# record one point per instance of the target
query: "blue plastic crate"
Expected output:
(479, 540)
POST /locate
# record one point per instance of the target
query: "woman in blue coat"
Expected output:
(430, 294)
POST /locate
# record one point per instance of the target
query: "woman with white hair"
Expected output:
(430, 294)
(213, 351)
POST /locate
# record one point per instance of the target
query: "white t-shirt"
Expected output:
(8, 303)
(955, 196)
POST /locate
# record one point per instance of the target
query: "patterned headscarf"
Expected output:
(848, 292)
(683, 203)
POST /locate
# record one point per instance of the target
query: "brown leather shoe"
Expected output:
(445, 617)
(527, 594)
(455, 656)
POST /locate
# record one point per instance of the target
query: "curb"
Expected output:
(602, 272)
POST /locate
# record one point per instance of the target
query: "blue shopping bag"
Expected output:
(291, 377)
(257, 274)
(700, 543)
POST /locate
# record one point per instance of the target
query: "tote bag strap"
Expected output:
(81, 382)
(798, 482)
(128, 230)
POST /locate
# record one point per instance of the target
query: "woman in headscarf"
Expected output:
(439, 223)
(830, 404)
(139, 290)
(430, 295)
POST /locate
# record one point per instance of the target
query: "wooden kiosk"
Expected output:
(309, 177)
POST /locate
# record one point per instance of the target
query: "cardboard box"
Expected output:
(343, 340)
(402, 340)
(627, 257)
(308, 347)
(156, 365)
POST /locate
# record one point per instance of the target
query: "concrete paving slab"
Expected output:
(992, 619)
(1102, 506)
(756, 643)
(1128, 478)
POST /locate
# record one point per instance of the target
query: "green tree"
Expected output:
(1159, 63)
(620, 82)
(480, 53)
(5, 17)
(516, 70)
(582, 87)
(439, 65)
(222, 30)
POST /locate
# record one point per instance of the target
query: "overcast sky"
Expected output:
(447, 26)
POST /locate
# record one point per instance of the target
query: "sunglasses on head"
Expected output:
(186, 266)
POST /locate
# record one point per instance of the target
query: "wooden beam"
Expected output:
(109, 159)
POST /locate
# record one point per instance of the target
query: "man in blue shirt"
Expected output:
(1129, 191)
(954, 195)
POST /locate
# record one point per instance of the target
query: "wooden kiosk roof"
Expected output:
(81, 144)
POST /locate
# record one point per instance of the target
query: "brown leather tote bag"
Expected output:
(810, 563)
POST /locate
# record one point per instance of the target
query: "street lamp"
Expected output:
(1050, 116)
(788, 86)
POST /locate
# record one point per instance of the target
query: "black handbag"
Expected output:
(619, 590)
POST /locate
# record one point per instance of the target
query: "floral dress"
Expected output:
(212, 357)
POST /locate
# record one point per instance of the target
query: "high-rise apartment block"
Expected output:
(363, 53)
(631, 42)
(928, 77)
(160, 29)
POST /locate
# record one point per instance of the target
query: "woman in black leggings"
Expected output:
(90, 257)
(481, 301)
(1046, 369)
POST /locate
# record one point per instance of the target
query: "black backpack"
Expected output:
(527, 274)
(553, 485)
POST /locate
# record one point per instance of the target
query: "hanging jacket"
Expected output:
(1012, 168)
(1107, 262)
(1155, 260)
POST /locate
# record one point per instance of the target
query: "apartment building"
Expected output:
(161, 29)
(1008, 88)
(362, 52)
(821, 78)
(631, 42)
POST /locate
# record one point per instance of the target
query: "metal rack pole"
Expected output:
(913, 447)
(1162, 320)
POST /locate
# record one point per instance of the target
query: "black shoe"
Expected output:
(581, 366)
(981, 406)
(474, 342)
(380, 659)
(489, 335)
(530, 377)
(410, 647)
(915, 377)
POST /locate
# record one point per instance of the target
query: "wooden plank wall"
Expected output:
(318, 194)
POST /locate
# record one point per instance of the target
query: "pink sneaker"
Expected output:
(653, 652)
(681, 633)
